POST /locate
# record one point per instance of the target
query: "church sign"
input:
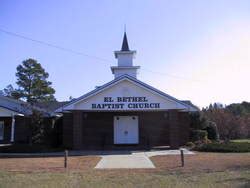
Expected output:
(125, 103)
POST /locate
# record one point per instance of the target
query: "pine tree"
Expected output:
(32, 82)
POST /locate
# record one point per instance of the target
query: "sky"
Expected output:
(192, 50)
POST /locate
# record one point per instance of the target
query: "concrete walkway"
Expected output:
(168, 152)
(133, 159)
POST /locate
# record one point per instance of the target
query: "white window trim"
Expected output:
(2, 138)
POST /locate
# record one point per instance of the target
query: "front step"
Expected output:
(160, 148)
(125, 147)
(134, 147)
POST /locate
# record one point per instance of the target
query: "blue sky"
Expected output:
(196, 50)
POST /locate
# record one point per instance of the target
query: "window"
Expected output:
(1, 130)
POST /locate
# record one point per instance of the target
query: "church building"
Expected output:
(125, 112)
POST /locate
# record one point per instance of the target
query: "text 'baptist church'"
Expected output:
(125, 102)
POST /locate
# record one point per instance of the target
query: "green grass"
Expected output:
(241, 140)
(237, 147)
(131, 179)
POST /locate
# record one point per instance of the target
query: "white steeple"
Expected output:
(125, 60)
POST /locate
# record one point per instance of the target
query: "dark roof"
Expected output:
(125, 46)
(51, 106)
(191, 104)
(21, 106)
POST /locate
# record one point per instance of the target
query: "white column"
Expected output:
(12, 128)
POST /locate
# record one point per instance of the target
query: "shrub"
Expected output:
(200, 122)
(212, 131)
(224, 147)
(198, 135)
(190, 144)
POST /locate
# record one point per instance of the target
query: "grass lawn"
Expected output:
(241, 140)
(129, 179)
(201, 170)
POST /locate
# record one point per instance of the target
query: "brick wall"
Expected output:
(67, 135)
(93, 130)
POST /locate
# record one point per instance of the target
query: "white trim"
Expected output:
(9, 112)
(180, 105)
(123, 67)
(2, 134)
(133, 52)
(12, 138)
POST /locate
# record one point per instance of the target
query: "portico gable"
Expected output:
(126, 94)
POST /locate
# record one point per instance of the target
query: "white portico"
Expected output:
(7, 113)
(15, 120)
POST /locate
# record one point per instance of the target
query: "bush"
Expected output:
(190, 144)
(198, 135)
(224, 147)
(200, 122)
(212, 131)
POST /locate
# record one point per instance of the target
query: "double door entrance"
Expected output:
(126, 130)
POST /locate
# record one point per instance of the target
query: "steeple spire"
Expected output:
(125, 46)
(125, 60)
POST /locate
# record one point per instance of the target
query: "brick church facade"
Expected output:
(125, 112)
